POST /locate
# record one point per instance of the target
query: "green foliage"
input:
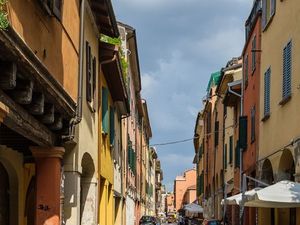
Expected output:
(118, 42)
(110, 40)
(3, 16)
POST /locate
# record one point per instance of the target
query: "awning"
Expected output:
(237, 199)
(193, 208)
(284, 194)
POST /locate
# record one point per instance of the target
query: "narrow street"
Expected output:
(131, 112)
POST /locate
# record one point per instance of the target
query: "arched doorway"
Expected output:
(286, 171)
(4, 196)
(267, 214)
(88, 192)
(267, 175)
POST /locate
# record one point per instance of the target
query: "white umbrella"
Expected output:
(284, 194)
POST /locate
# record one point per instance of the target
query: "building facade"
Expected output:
(181, 185)
(278, 153)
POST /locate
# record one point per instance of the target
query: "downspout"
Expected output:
(241, 152)
(78, 113)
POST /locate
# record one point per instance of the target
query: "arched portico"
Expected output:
(88, 193)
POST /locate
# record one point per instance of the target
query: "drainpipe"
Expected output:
(241, 152)
(78, 115)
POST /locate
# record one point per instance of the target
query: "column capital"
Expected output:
(47, 152)
(3, 111)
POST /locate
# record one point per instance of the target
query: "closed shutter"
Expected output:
(112, 125)
(88, 66)
(264, 13)
(287, 70)
(243, 131)
(230, 149)
(216, 133)
(267, 89)
(237, 155)
(128, 153)
(94, 78)
(225, 156)
(105, 116)
(273, 7)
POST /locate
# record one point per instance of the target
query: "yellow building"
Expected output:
(279, 102)
(113, 98)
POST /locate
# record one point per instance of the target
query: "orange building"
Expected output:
(181, 185)
(251, 90)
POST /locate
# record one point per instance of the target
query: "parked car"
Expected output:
(211, 222)
(149, 220)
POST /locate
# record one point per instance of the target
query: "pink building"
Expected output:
(181, 186)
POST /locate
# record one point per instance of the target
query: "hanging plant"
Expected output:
(3, 16)
(118, 42)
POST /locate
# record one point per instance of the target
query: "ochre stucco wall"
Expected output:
(55, 43)
(283, 124)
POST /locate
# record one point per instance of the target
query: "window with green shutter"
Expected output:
(230, 149)
(111, 125)
(243, 131)
(237, 155)
(216, 133)
(287, 71)
(268, 11)
(267, 89)
(105, 116)
(225, 156)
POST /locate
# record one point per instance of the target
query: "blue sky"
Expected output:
(180, 43)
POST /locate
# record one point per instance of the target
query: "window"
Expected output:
(52, 7)
(253, 52)
(267, 88)
(246, 70)
(225, 156)
(91, 70)
(287, 71)
(111, 125)
(253, 124)
(216, 133)
(208, 123)
(268, 11)
(105, 117)
(230, 149)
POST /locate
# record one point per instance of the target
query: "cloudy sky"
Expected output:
(180, 43)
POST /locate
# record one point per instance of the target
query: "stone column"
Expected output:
(3, 111)
(48, 184)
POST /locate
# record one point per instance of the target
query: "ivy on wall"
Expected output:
(3, 16)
